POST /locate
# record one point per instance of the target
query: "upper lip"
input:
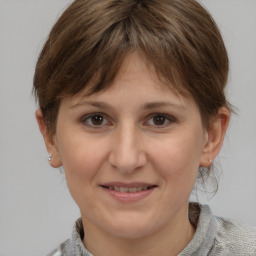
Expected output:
(127, 185)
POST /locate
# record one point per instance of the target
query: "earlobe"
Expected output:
(215, 136)
(50, 143)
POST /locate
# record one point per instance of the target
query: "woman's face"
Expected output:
(131, 153)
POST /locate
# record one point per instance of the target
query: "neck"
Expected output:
(169, 241)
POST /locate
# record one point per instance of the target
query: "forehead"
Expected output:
(136, 82)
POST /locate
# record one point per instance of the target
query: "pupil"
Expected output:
(159, 120)
(97, 120)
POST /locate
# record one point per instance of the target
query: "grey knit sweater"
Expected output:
(214, 236)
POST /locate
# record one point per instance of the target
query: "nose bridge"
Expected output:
(127, 152)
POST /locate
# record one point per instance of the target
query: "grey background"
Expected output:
(36, 210)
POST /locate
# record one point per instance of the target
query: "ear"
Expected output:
(50, 141)
(215, 136)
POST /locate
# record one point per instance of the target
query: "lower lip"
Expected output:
(129, 197)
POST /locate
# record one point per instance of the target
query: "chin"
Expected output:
(132, 229)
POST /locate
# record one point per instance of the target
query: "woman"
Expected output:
(132, 105)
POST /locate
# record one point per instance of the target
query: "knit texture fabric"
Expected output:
(214, 236)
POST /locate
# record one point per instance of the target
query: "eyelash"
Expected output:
(167, 118)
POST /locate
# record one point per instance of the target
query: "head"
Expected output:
(89, 42)
(94, 43)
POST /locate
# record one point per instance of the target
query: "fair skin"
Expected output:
(137, 135)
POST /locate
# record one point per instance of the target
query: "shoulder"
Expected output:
(63, 249)
(73, 246)
(217, 236)
(234, 238)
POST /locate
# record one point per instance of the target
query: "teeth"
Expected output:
(128, 190)
(124, 190)
(132, 190)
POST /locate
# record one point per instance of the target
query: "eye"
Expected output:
(160, 120)
(95, 120)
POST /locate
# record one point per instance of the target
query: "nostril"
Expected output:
(128, 163)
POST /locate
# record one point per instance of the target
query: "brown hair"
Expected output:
(91, 38)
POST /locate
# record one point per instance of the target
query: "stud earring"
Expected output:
(210, 160)
(50, 158)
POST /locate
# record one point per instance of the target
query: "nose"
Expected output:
(127, 153)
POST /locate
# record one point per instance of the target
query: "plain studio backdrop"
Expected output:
(36, 210)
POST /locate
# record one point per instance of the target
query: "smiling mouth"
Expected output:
(129, 190)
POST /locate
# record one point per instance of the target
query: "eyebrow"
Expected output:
(153, 105)
(146, 106)
(97, 104)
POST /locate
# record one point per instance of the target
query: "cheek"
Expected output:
(82, 162)
(177, 160)
(81, 158)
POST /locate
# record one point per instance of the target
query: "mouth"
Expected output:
(128, 192)
(129, 189)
